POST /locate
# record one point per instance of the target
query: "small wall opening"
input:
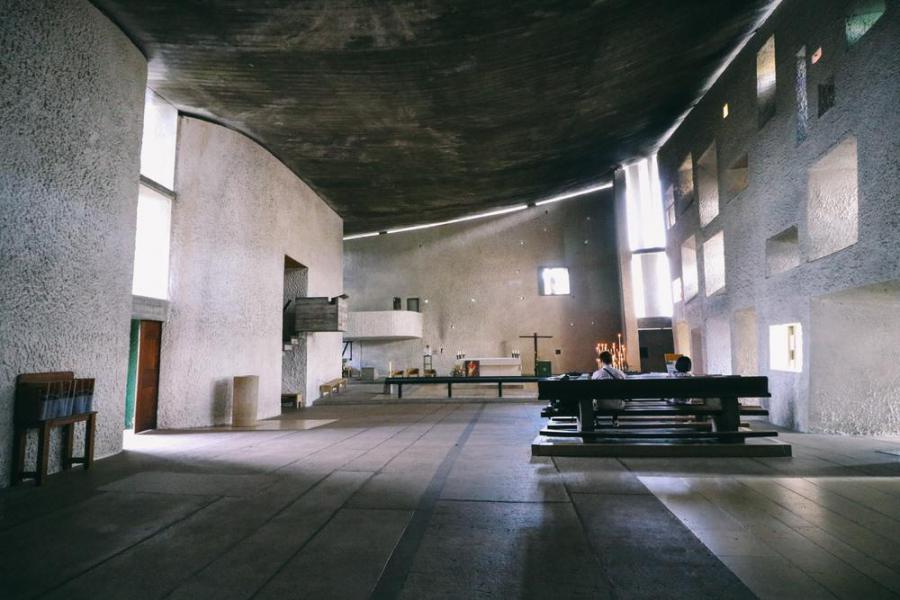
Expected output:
(786, 347)
(714, 263)
(765, 81)
(669, 204)
(718, 346)
(708, 185)
(689, 275)
(746, 348)
(686, 182)
(676, 290)
(737, 176)
(294, 347)
(832, 204)
(862, 16)
(862, 394)
(682, 333)
(782, 251)
(826, 95)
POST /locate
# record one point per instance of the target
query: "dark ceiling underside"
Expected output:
(402, 113)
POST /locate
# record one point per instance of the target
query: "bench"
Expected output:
(449, 381)
(293, 400)
(632, 409)
(335, 386)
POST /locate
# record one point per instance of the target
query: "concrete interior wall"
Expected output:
(70, 123)
(745, 342)
(237, 214)
(854, 375)
(718, 346)
(866, 76)
(478, 286)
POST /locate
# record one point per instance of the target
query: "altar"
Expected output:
(495, 366)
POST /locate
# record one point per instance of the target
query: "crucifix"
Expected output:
(536, 337)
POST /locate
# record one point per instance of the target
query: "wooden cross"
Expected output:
(536, 337)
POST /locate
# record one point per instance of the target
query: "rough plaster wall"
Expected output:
(745, 342)
(718, 347)
(72, 89)
(864, 325)
(238, 213)
(495, 262)
(867, 78)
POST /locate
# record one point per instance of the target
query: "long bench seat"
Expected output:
(449, 381)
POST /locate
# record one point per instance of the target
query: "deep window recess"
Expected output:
(861, 18)
(826, 95)
(765, 81)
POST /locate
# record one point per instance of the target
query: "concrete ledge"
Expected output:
(546, 446)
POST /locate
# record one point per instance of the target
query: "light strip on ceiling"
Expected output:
(493, 213)
(575, 194)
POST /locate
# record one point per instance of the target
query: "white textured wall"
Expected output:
(494, 261)
(860, 391)
(238, 212)
(72, 89)
(867, 78)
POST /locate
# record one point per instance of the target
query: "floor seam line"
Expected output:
(396, 570)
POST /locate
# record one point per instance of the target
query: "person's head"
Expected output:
(606, 358)
(683, 364)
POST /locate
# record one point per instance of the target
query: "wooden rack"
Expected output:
(43, 402)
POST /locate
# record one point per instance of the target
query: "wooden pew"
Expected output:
(335, 386)
(632, 409)
(449, 381)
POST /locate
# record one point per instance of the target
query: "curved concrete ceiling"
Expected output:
(399, 113)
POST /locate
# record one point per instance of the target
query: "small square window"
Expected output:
(554, 281)
(786, 347)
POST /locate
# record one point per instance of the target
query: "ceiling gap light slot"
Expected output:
(643, 201)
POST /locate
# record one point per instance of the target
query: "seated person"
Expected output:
(607, 370)
(683, 368)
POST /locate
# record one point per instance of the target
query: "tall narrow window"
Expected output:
(708, 185)
(151, 244)
(159, 140)
(765, 81)
(689, 277)
(802, 99)
(685, 194)
(714, 263)
(669, 203)
(154, 208)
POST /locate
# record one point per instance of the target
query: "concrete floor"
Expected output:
(445, 501)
